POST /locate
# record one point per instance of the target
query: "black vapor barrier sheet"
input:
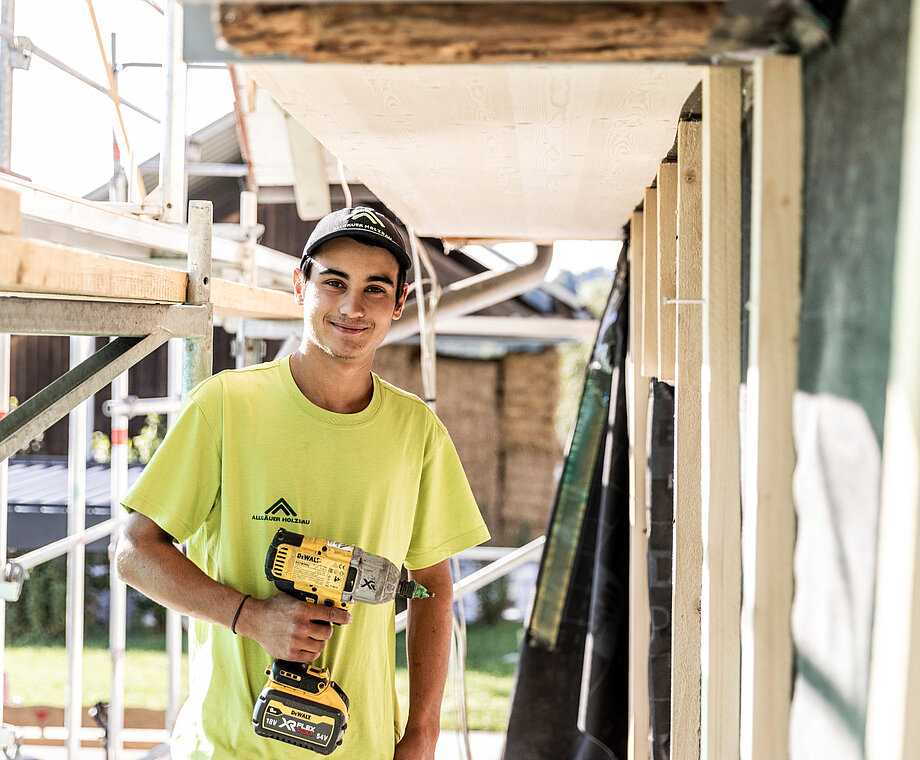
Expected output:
(660, 521)
(570, 695)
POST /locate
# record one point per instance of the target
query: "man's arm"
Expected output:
(428, 654)
(149, 560)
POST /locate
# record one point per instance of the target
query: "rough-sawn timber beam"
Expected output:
(36, 267)
(466, 32)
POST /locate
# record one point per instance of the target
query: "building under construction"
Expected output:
(730, 564)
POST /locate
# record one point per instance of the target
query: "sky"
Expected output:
(62, 128)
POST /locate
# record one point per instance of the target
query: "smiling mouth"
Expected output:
(349, 329)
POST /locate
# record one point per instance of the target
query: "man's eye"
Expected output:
(335, 283)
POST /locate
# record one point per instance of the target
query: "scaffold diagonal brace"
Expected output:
(57, 399)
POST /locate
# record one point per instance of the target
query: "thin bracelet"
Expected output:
(239, 609)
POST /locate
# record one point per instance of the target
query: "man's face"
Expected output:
(350, 298)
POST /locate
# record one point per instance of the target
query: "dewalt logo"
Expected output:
(280, 511)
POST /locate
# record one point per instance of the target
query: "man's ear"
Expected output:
(397, 312)
(298, 287)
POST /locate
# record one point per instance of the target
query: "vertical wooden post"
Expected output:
(650, 305)
(721, 468)
(637, 411)
(769, 510)
(667, 270)
(688, 538)
(892, 728)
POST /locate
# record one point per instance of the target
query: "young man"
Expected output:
(318, 444)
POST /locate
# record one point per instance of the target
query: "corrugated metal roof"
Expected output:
(41, 482)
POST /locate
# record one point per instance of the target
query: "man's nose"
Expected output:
(352, 303)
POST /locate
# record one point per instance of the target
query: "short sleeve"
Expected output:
(180, 485)
(447, 518)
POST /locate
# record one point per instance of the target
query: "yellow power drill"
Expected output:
(301, 704)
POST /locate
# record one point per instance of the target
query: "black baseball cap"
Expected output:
(363, 224)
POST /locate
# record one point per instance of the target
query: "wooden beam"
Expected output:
(772, 378)
(637, 390)
(688, 537)
(721, 482)
(649, 347)
(10, 217)
(486, 32)
(892, 728)
(667, 270)
(234, 299)
(32, 266)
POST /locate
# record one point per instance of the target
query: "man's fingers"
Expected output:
(329, 614)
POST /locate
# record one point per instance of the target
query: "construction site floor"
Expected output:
(484, 745)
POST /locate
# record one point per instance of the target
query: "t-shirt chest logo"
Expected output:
(280, 511)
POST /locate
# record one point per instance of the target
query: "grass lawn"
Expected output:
(490, 664)
(36, 675)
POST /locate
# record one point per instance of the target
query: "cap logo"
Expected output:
(359, 213)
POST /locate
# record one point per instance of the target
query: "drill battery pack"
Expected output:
(302, 706)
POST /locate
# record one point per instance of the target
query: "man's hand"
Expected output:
(287, 628)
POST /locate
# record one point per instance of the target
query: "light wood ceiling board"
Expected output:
(471, 32)
(517, 151)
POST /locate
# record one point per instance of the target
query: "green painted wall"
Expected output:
(854, 101)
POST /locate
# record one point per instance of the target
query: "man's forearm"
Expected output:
(428, 653)
(148, 560)
(283, 626)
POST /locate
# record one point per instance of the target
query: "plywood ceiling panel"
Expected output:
(512, 151)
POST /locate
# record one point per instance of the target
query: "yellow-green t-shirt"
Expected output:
(249, 454)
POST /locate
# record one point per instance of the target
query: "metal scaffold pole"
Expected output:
(7, 12)
(4, 408)
(117, 589)
(198, 351)
(173, 618)
(81, 347)
(172, 155)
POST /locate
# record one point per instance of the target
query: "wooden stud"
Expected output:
(721, 479)
(688, 538)
(769, 509)
(667, 270)
(892, 728)
(649, 347)
(10, 217)
(637, 420)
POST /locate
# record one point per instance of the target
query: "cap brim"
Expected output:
(370, 238)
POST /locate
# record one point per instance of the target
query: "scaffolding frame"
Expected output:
(82, 268)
